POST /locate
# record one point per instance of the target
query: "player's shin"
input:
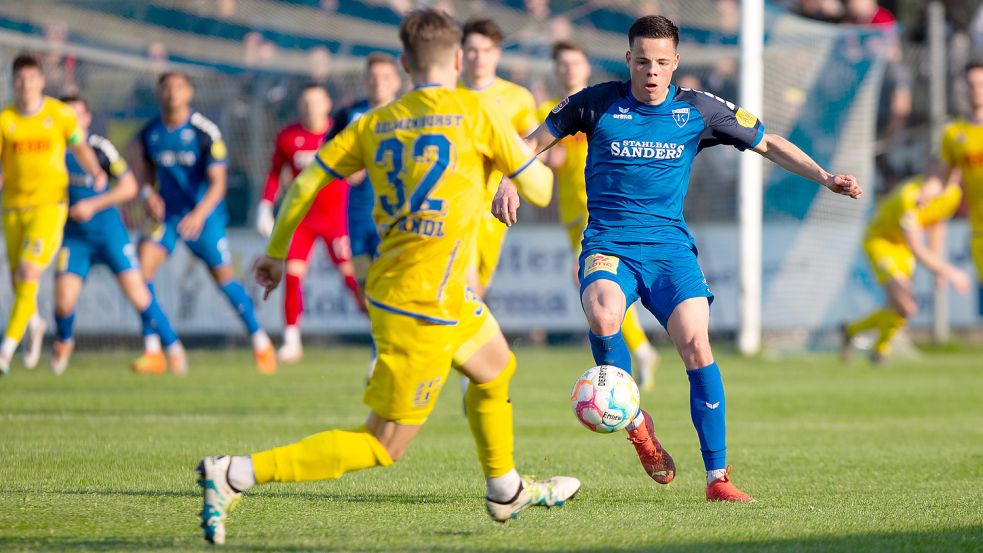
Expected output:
(708, 411)
(64, 326)
(25, 304)
(323, 456)
(154, 319)
(610, 350)
(489, 413)
(237, 296)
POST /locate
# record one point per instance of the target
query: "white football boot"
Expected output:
(554, 492)
(35, 338)
(219, 496)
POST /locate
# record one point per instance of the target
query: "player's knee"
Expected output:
(222, 273)
(603, 321)
(296, 268)
(695, 352)
(28, 272)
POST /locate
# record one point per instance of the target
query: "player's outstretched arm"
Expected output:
(791, 158)
(88, 160)
(914, 235)
(541, 139)
(125, 190)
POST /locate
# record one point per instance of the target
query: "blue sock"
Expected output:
(242, 304)
(154, 319)
(610, 350)
(65, 326)
(707, 409)
(146, 322)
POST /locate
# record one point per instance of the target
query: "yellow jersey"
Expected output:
(427, 155)
(962, 148)
(32, 148)
(571, 194)
(517, 106)
(900, 210)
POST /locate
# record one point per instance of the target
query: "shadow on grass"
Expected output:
(957, 539)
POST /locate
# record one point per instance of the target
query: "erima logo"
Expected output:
(680, 116)
(712, 405)
(623, 114)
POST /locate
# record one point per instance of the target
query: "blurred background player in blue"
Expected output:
(185, 181)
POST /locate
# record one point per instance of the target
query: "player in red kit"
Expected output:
(327, 219)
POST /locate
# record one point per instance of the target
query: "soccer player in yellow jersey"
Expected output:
(482, 43)
(34, 132)
(569, 161)
(962, 149)
(895, 240)
(427, 155)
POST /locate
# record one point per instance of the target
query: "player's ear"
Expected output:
(458, 60)
(628, 58)
(675, 64)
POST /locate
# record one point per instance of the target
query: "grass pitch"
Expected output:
(840, 459)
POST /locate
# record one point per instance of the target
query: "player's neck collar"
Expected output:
(425, 85)
(661, 105)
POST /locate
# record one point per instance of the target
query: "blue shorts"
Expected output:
(212, 247)
(661, 275)
(364, 238)
(113, 249)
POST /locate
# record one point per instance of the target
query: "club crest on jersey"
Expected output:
(561, 105)
(680, 116)
(187, 135)
(622, 113)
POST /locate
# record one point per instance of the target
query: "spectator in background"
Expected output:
(59, 69)
(728, 16)
(538, 9)
(867, 12)
(829, 11)
(560, 28)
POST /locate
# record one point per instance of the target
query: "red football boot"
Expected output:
(656, 461)
(722, 489)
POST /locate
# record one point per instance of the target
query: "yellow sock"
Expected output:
(490, 417)
(890, 324)
(874, 320)
(322, 456)
(25, 304)
(632, 331)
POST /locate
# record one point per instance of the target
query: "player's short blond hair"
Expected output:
(429, 37)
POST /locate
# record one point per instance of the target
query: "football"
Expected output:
(605, 399)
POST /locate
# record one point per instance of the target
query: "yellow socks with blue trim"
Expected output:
(886, 321)
(632, 331)
(489, 412)
(323, 456)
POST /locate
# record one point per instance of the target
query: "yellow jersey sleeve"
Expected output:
(948, 151)
(69, 125)
(335, 160)
(526, 117)
(510, 155)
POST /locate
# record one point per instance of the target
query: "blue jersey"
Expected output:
(80, 187)
(180, 158)
(639, 156)
(361, 199)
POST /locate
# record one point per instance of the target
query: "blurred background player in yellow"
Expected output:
(962, 149)
(569, 161)
(482, 43)
(427, 155)
(908, 227)
(34, 133)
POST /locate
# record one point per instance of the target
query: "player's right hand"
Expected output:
(845, 185)
(959, 279)
(506, 203)
(268, 271)
(264, 218)
(154, 205)
(82, 211)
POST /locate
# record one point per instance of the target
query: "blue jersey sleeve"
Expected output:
(213, 149)
(725, 122)
(580, 112)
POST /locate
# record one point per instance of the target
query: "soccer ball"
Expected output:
(605, 399)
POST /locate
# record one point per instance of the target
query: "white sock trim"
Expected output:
(241, 475)
(715, 474)
(260, 340)
(503, 488)
(151, 343)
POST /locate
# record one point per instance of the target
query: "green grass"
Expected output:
(840, 459)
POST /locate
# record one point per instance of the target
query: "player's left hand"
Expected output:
(190, 225)
(82, 211)
(505, 206)
(845, 185)
(268, 271)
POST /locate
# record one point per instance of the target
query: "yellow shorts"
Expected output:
(491, 237)
(890, 260)
(415, 357)
(34, 233)
(976, 250)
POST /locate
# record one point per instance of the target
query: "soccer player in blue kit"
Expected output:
(95, 233)
(642, 138)
(185, 156)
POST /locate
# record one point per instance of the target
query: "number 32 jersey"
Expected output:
(426, 155)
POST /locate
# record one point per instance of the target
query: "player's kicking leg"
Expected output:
(604, 303)
(887, 321)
